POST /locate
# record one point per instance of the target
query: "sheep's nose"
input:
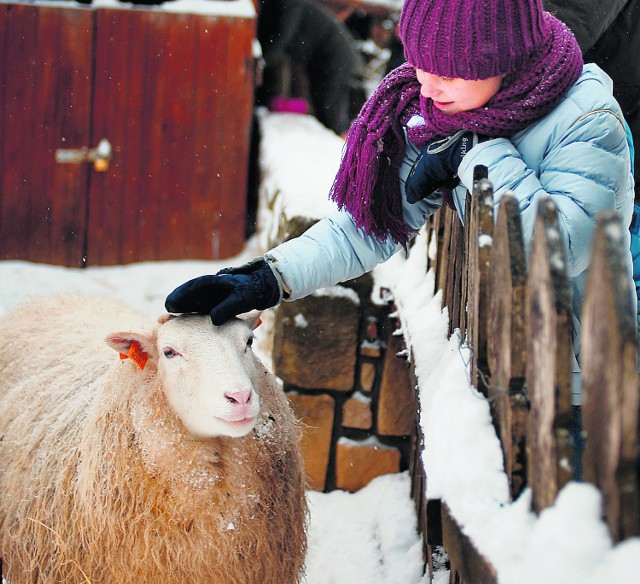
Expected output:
(239, 397)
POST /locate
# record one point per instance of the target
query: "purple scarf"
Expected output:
(367, 185)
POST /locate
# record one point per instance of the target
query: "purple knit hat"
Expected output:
(471, 39)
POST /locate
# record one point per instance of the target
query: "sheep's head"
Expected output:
(208, 372)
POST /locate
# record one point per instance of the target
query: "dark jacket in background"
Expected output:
(311, 36)
(609, 36)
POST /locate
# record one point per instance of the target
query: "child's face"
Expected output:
(453, 96)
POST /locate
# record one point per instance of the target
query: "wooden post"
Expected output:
(506, 343)
(467, 565)
(610, 379)
(464, 316)
(444, 250)
(435, 240)
(480, 238)
(456, 266)
(549, 443)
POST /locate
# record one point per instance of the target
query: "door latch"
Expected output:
(99, 156)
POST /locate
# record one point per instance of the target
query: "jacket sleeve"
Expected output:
(584, 171)
(334, 250)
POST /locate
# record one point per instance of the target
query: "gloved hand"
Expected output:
(437, 165)
(232, 291)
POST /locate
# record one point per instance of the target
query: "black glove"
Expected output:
(437, 165)
(230, 292)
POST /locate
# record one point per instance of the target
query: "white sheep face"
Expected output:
(207, 372)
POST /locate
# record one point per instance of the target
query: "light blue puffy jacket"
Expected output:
(578, 155)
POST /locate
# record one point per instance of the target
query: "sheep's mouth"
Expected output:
(239, 421)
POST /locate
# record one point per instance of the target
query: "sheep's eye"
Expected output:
(250, 341)
(170, 353)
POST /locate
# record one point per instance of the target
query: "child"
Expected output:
(497, 83)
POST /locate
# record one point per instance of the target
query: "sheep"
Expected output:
(186, 468)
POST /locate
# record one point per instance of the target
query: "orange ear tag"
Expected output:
(136, 354)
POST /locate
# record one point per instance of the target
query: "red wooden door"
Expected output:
(176, 187)
(45, 103)
(171, 92)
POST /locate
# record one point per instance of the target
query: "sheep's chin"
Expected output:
(222, 427)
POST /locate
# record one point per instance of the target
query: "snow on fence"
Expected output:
(516, 319)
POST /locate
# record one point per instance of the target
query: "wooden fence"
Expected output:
(517, 322)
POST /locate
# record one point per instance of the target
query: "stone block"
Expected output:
(371, 331)
(367, 376)
(316, 340)
(316, 413)
(370, 349)
(362, 286)
(293, 227)
(356, 412)
(396, 415)
(358, 463)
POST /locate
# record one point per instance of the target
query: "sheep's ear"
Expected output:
(252, 318)
(137, 347)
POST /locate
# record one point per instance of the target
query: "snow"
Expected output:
(222, 8)
(369, 537)
(338, 292)
(386, 550)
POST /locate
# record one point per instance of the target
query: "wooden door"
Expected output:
(171, 92)
(45, 103)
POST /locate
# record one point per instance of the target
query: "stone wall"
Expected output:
(336, 354)
(335, 350)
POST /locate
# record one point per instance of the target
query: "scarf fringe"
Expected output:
(367, 183)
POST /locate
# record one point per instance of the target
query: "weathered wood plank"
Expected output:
(549, 442)
(456, 267)
(610, 379)
(480, 238)
(444, 246)
(434, 243)
(212, 192)
(464, 316)
(506, 343)
(466, 564)
(107, 207)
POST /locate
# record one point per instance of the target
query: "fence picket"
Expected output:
(506, 343)
(444, 247)
(480, 238)
(549, 444)
(467, 566)
(610, 380)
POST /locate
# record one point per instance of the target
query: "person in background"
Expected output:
(609, 35)
(373, 41)
(500, 84)
(309, 35)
